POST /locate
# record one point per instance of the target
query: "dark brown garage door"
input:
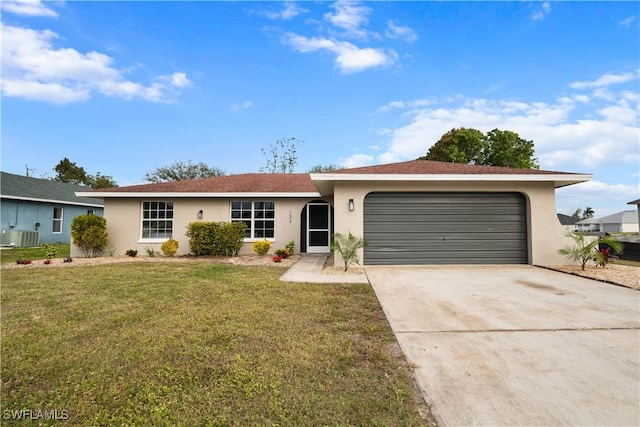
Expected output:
(445, 228)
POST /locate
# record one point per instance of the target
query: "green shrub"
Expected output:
(261, 247)
(170, 247)
(291, 248)
(201, 237)
(215, 238)
(229, 238)
(583, 251)
(50, 250)
(131, 252)
(347, 246)
(89, 233)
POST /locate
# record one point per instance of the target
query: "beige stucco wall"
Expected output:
(124, 222)
(546, 235)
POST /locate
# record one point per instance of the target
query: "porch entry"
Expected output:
(317, 230)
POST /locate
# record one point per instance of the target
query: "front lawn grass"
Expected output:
(11, 255)
(196, 343)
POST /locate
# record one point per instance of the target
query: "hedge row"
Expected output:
(216, 238)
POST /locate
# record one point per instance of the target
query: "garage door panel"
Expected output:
(445, 228)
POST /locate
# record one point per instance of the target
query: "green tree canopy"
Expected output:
(506, 148)
(182, 171)
(463, 145)
(70, 172)
(496, 148)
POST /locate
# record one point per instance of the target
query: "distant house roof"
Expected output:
(589, 221)
(317, 184)
(566, 219)
(43, 190)
(624, 217)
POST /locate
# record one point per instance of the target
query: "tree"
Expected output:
(461, 145)
(588, 213)
(582, 251)
(577, 214)
(102, 181)
(68, 171)
(282, 156)
(323, 168)
(506, 148)
(182, 171)
(496, 148)
(89, 233)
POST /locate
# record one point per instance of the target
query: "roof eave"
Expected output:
(57, 201)
(559, 180)
(185, 195)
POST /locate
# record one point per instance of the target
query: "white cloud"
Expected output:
(27, 8)
(572, 131)
(290, 10)
(542, 12)
(627, 22)
(605, 81)
(349, 57)
(399, 32)
(349, 16)
(34, 69)
(356, 160)
(241, 106)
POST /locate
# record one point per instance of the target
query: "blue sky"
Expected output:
(121, 88)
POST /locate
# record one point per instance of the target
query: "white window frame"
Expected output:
(57, 220)
(252, 220)
(157, 218)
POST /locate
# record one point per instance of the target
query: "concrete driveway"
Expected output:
(516, 345)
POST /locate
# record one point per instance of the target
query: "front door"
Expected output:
(318, 227)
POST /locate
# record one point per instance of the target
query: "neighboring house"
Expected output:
(620, 222)
(568, 222)
(416, 212)
(35, 211)
(588, 225)
(637, 203)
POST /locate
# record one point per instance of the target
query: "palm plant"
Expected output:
(347, 246)
(582, 251)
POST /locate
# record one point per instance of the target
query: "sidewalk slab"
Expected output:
(309, 267)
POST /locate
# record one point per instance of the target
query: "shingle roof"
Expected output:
(566, 219)
(436, 168)
(242, 183)
(23, 187)
(624, 217)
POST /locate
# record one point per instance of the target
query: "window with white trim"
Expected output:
(259, 217)
(57, 220)
(157, 220)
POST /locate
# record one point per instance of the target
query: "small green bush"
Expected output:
(347, 246)
(50, 250)
(170, 247)
(131, 252)
(216, 238)
(89, 233)
(261, 247)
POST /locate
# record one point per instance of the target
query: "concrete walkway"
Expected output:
(309, 267)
